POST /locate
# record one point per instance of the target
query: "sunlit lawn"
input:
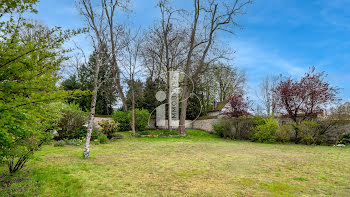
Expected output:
(201, 165)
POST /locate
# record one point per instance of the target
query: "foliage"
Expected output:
(30, 56)
(151, 88)
(83, 80)
(123, 120)
(97, 142)
(108, 127)
(59, 143)
(234, 128)
(144, 132)
(138, 88)
(283, 133)
(72, 121)
(207, 117)
(194, 103)
(75, 142)
(266, 133)
(258, 120)
(219, 128)
(102, 138)
(304, 99)
(237, 106)
(242, 127)
(319, 131)
(345, 139)
(141, 119)
(308, 131)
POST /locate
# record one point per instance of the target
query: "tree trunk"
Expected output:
(169, 103)
(185, 95)
(296, 129)
(92, 110)
(133, 108)
(121, 93)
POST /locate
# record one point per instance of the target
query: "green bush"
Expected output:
(144, 132)
(266, 133)
(308, 131)
(345, 139)
(95, 133)
(242, 127)
(123, 120)
(258, 120)
(219, 128)
(108, 127)
(59, 143)
(96, 142)
(234, 128)
(141, 119)
(72, 142)
(283, 133)
(223, 128)
(102, 138)
(71, 123)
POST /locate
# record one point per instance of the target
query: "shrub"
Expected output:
(96, 142)
(59, 143)
(345, 139)
(71, 123)
(95, 133)
(223, 128)
(308, 131)
(145, 132)
(219, 128)
(283, 133)
(234, 128)
(123, 120)
(242, 128)
(102, 138)
(72, 142)
(108, 127)
(258, 120)
(141, 119)
(76, 142)
(266, 133)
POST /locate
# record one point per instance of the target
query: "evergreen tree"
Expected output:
(83, 80)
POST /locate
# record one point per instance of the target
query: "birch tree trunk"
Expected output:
(92, 110)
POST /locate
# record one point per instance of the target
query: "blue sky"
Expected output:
(278, 37)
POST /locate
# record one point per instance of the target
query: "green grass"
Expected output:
(199, 165)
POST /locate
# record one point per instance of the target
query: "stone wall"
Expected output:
(152, 125)
(205, 125)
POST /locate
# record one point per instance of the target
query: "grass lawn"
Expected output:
(200, 165)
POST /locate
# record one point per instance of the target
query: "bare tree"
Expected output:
(230, 81)
(132, 68)
(165, 48)
(209, 18)
(105, 39)
(267, 95)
